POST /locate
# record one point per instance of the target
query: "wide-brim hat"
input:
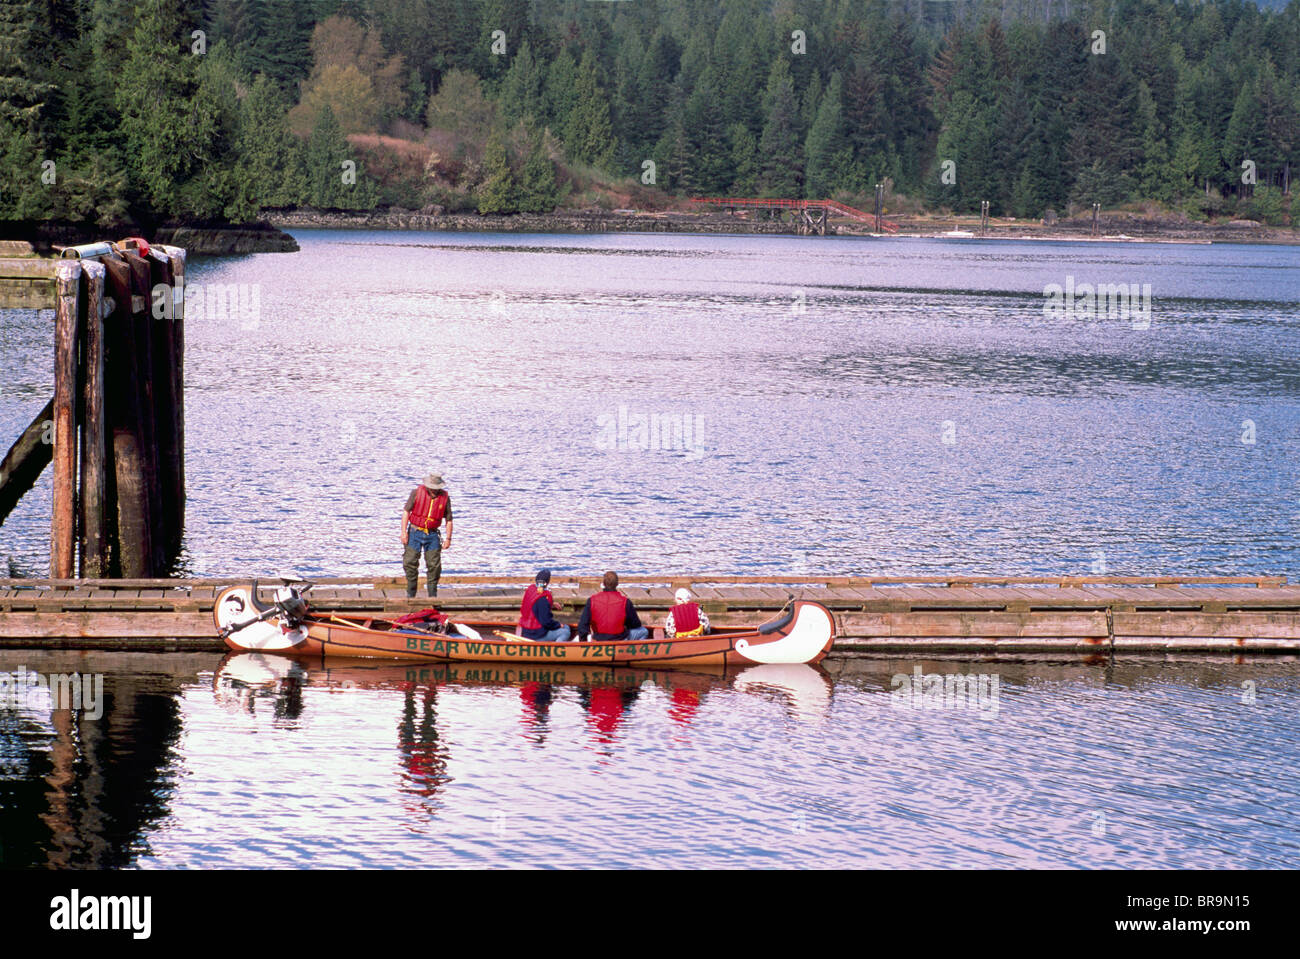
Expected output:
(434, 481)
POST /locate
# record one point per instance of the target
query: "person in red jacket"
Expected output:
(426, 509)
(536, 619)
(609, 615)
(686, 618)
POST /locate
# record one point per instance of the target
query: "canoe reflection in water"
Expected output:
(261, 679)
(606, 696)
(245, 678)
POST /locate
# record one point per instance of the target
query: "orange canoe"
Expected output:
(803, 634)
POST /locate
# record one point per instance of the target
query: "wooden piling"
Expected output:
(163, 351)
(94, 492)
(67, 314)
(142, 344)
(123, 416)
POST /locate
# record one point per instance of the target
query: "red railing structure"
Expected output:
(830, 206)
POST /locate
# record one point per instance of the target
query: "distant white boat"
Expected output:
(962, 233)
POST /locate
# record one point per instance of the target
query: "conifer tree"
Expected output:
(270, 156)
(281, 44)
(498, 193)
(781, 147)
(1154, 177)
(22, 97)
(166, 139)
(560, 91)
(704, 128)
(328, 178)
(521, 90)
(588, 133)
(744, 160)
(538, 190)
(826, 142)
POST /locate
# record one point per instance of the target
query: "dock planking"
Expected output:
(874, 615)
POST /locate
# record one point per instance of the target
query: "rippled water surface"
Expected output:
(251, 761)
(853, 405)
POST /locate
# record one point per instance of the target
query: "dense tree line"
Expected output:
(210, 110)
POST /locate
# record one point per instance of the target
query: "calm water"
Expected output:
(247, 761)
(854, 406)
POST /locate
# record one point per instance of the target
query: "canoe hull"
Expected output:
(805, 636)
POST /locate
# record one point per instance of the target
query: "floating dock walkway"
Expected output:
(977, 615)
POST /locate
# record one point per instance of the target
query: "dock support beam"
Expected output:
(26, 460)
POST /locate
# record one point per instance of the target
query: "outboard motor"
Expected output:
(291, 605)
(288, 608)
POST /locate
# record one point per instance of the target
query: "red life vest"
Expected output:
(609, 613)
(527, 620)
(686, 617)
(427, 511)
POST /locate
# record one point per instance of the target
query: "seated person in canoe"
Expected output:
(536, 617)
(609, 615)
(685, 619)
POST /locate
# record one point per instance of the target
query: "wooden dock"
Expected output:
(986, 616)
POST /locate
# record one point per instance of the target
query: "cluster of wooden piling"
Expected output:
(117, 419)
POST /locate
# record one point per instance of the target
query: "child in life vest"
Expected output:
(686, 618)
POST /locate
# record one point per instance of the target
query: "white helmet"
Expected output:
(683, 595)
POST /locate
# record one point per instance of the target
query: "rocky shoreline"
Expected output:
(1121, 227)
(227, 241)
(575, 221)
(270, 236)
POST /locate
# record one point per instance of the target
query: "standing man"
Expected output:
(536, 617)
(426, 508)
(610, 615)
